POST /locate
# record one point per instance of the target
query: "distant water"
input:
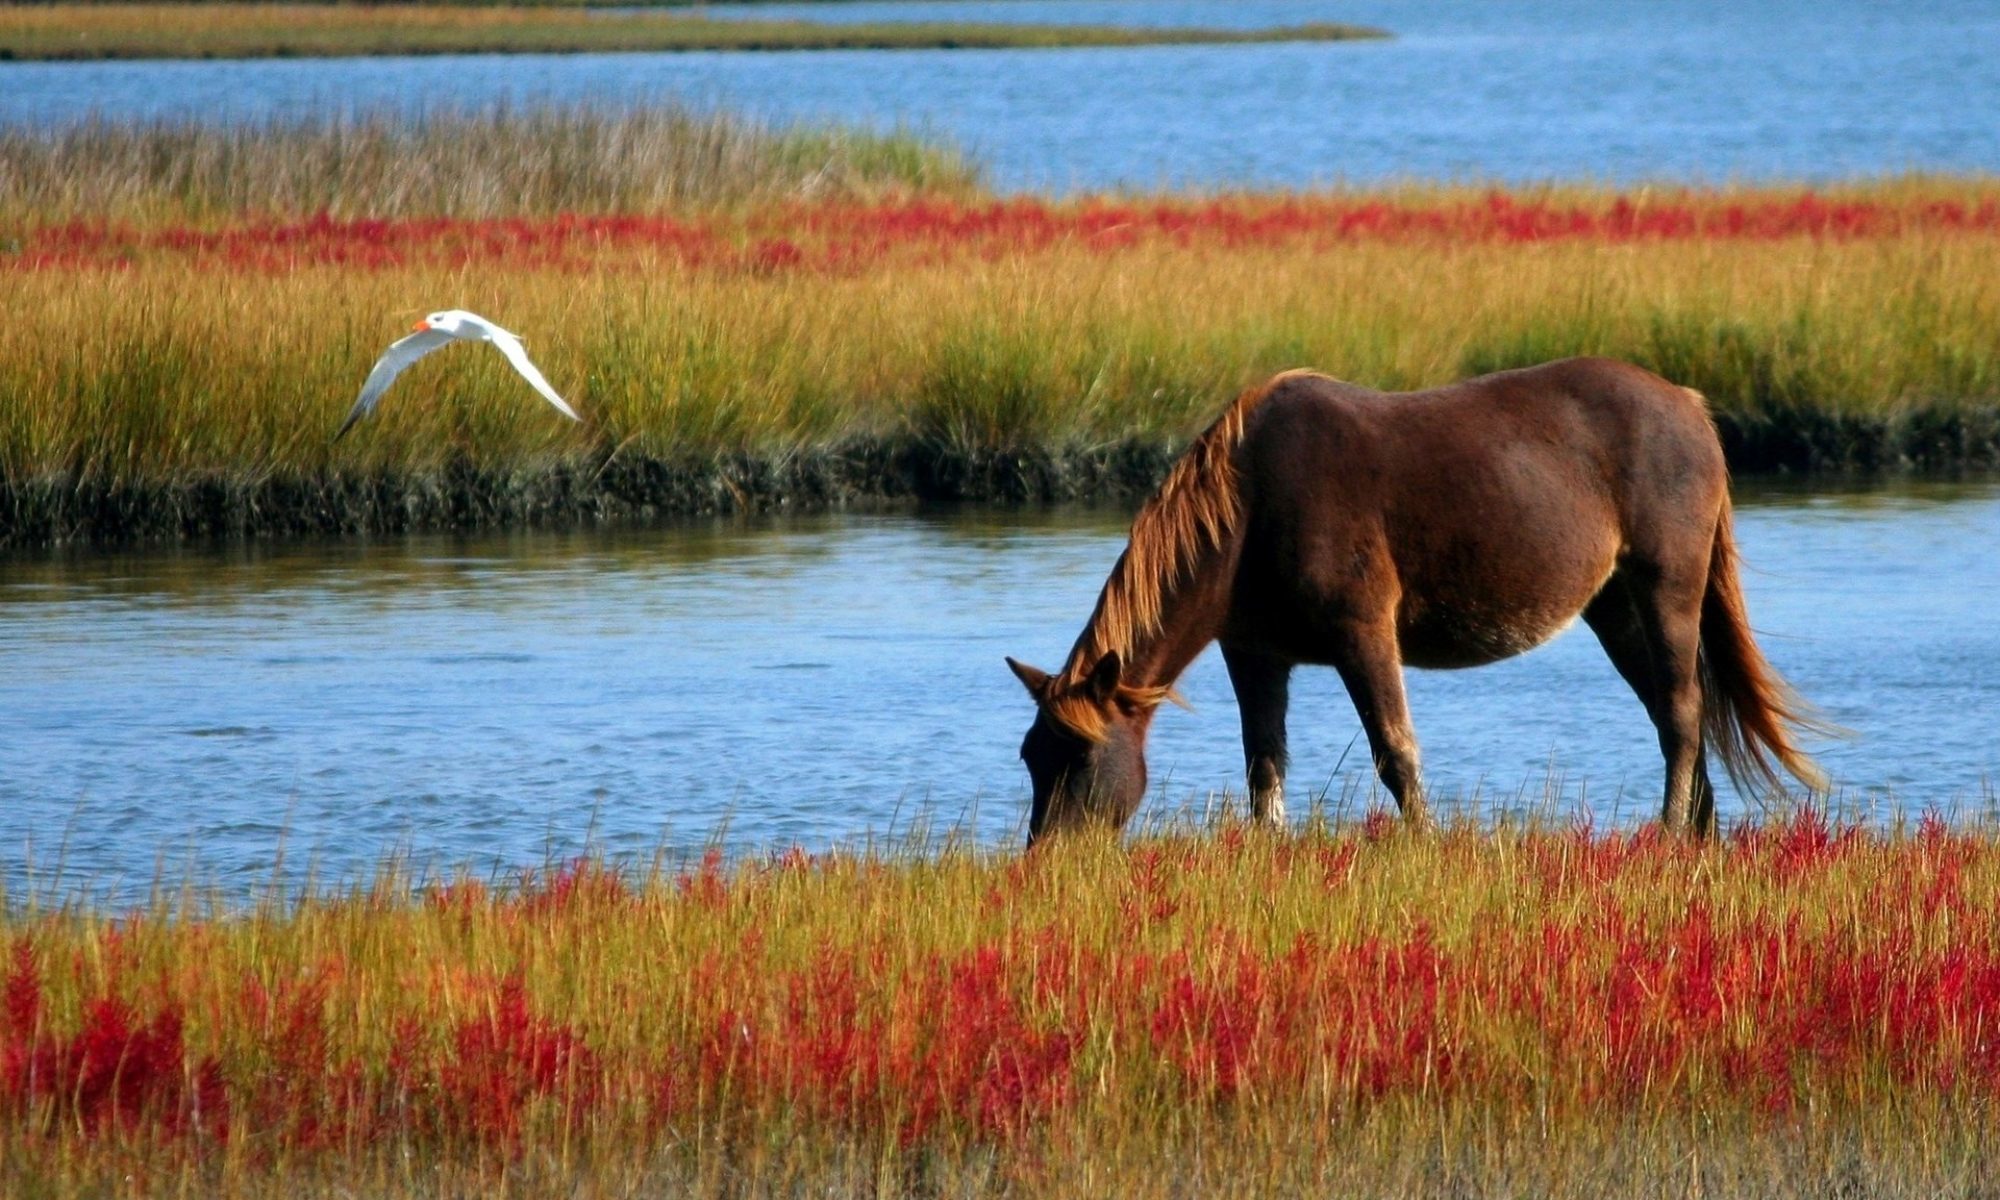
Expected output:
(493, 701)
(1684, 90)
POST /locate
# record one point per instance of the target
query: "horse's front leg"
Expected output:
(1372, 668)
(1263, 686)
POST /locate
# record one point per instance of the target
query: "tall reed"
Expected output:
(491, 162)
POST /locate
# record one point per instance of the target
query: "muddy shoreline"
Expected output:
(861, 474)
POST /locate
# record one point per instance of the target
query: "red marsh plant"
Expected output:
(842, 236)
(973, 1008)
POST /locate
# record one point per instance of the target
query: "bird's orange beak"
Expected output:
(420, 326)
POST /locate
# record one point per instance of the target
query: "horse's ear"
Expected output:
(1032, 678)
(1103, 682)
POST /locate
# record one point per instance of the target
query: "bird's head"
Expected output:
(454, 321)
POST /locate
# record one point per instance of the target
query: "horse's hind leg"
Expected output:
(1372, 669)
(1263, 687)
(1652, 634)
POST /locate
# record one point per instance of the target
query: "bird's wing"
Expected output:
(400, 354)
(510, 346)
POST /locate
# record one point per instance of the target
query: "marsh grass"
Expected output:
(800, 318)
(493, 162)
(131, 375)
(223, 30)
(1801, 1009)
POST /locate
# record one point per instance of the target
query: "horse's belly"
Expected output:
(1444, 640)
(1492, 601)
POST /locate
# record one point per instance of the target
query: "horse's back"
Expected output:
(1580, 425)
(1488, 511)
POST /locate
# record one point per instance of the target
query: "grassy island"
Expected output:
(230, 30)
(751, 316)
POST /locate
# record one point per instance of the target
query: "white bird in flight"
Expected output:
(436, 330)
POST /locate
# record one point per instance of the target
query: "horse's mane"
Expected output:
(1195, 508)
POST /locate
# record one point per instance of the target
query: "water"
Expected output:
(1683, 90)
(494, 701)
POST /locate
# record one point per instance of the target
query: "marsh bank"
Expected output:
(610, 488)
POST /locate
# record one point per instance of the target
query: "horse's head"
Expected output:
(1086, 751)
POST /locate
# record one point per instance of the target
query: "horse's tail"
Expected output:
(1749, 712)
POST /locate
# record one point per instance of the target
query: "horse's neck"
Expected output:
(1191, 611)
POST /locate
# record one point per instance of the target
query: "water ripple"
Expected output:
(823, 705)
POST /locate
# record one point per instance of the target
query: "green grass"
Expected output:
(217, 30)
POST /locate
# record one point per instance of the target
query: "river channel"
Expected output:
(1507, 91)
(494, 702)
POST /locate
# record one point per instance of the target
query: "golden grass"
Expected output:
(193, 308)
(1801, 1010)
(225, 30)
(132, 375)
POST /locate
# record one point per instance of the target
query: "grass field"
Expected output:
(987, 326)
(1804, 1009)
(191, 311)
(222, 30)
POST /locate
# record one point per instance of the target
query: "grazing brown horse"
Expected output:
(1320, 522)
